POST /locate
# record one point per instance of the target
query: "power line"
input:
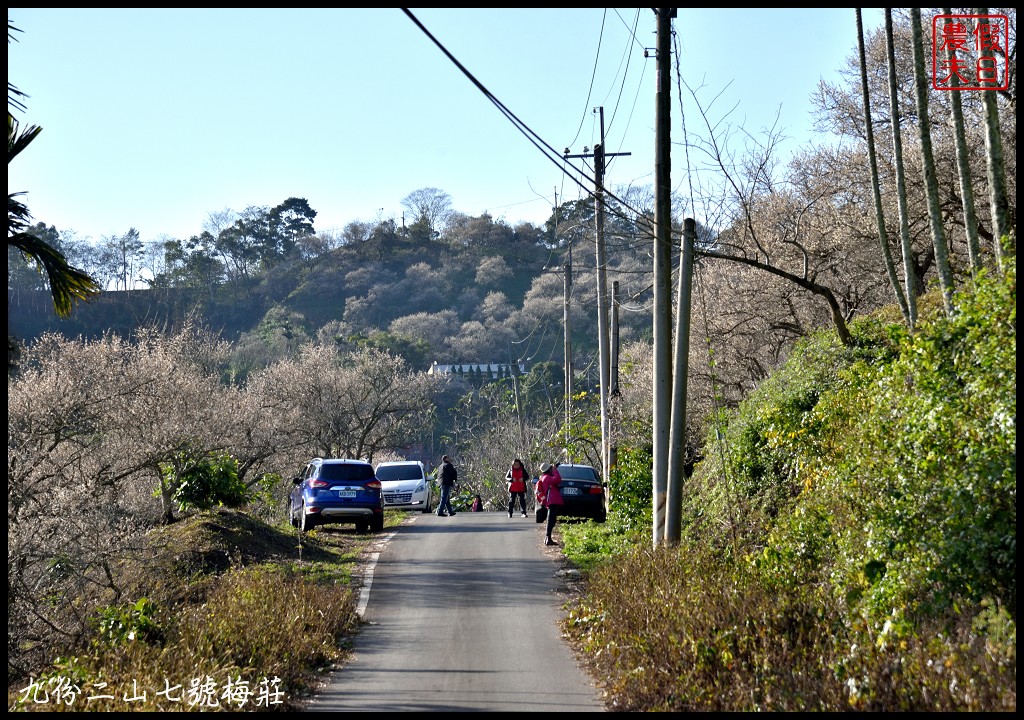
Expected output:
(549, 152)
(625, 75)
(597, 56)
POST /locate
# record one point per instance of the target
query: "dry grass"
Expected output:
(237, 615)
(672, 630)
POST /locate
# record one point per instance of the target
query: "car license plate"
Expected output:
(347, 493)
(570, 491)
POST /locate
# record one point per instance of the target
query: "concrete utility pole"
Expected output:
(615, 340)
(567, 291)
(662, 320)
(602, 303)
(602, 293)
(677, 438)
(613, 449)
(566, 312)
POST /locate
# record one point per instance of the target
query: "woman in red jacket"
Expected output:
(549, 496)
(517, 477)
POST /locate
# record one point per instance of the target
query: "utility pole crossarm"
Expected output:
(597, 151)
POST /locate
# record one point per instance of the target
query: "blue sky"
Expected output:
(156, 118)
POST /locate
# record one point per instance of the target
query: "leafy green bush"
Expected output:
(933, 479)
(589, 544)
(850, 537)
(266, 498)
(201, 484)
(116, 625)
(630, 492)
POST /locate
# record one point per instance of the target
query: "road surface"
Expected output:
(461, 614)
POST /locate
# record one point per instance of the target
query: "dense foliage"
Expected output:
(204, 483)
(853, 546)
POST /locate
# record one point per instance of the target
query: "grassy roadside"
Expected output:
(219, 612)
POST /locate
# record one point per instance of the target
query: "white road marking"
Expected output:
(364, 592)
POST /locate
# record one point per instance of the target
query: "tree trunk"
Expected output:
(928, 162)
(963, 166)
(909, 276)
(996, 170)
(883, 237)
(820, 290)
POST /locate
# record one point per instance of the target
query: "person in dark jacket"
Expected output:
(549, 496)
(448, 477)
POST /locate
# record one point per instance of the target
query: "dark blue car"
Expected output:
(582, 491)
(337, 491)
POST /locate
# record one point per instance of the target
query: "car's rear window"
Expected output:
(577, 473)
(346, 471)
(399, 472)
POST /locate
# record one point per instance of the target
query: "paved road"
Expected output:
(462, 615)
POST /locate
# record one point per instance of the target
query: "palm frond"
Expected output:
(67, 284)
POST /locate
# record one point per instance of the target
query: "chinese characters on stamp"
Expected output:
(969, 52)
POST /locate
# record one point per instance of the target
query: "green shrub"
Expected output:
(933, 479)
(630, 491)
(205, 483)
(116, 625)
(589, 544)
(850, 538)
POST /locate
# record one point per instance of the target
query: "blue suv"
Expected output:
(337, 491)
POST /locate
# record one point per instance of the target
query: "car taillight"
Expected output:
(596, 490)
(373, 485)
(318, 484)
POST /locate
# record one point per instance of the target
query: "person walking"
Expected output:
(517, 477)
(549, 496)
(448, 476)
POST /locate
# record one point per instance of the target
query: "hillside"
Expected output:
(435, 302)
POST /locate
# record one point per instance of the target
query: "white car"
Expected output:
(405, 486)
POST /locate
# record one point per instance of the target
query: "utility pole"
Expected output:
(567, 290)
(566, 308)
(615, 340)
(602, 292)
(613, 450)
(662, 320)
(677, 439)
